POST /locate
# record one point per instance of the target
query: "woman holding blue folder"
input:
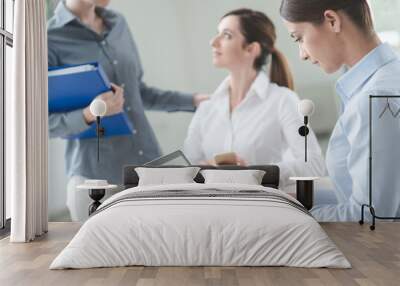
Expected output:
(83, 31)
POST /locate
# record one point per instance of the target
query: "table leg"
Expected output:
(305, 193)
(96, 195)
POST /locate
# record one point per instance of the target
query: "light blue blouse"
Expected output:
(378, 73)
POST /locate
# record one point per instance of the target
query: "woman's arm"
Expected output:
(385, 160)
(157, 99)
(66, 123)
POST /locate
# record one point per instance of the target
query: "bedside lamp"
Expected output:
(305, 185)
(98, 108)
(306, 109)
(97, 188)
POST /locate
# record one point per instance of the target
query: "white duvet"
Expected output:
(200, 231)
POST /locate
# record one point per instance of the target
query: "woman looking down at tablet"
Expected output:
(252, 114)
(336, 33)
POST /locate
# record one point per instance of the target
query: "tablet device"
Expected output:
(176, 158)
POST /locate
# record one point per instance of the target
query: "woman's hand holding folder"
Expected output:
(114, 100)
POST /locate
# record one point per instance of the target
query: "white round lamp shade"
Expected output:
(98, 107)
(306, 107)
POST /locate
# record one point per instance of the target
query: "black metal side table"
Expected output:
(305, 190)
(97, 190)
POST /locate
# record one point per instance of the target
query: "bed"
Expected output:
(201, 224)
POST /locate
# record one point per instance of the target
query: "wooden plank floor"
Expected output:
(375, 257)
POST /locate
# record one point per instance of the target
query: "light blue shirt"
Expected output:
(347, 158)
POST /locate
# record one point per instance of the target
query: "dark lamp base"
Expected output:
(305, 193)
(96, 195)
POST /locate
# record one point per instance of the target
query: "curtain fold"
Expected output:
(26, 123)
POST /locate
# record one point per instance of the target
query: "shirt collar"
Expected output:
(259, 86)
(63, 15)
(355, 78)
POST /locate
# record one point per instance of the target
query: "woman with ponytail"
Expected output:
(252, 114)
(336, 33)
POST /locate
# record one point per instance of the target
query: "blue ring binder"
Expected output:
(75, 89)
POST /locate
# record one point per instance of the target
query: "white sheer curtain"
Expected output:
(26, 123)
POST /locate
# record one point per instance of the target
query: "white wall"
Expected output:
(173, 39)
(183, 29)
(57, 180)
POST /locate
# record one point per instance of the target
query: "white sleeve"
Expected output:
(290, 121)
(193, 143)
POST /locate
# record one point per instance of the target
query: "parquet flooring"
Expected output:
(375, 257)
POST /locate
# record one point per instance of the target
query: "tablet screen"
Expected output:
(176, 158)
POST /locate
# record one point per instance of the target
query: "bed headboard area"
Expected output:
(270, 179)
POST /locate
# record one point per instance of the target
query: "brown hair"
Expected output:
(257, 27)
(313, 11)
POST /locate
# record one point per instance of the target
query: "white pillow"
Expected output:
(165, 176)
(248, 177)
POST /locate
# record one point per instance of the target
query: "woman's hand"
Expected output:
(230, 158)
(233, 160)
(199, 98)
(114, 100)
(240, 161)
